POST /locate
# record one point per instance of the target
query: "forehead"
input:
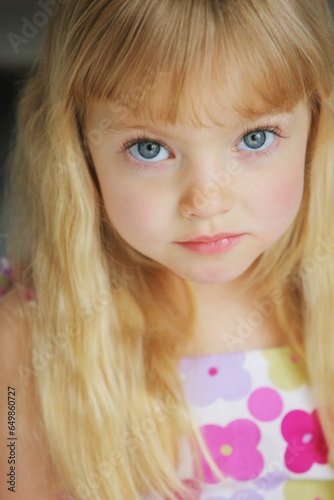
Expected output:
(106, 117)
(206, 105)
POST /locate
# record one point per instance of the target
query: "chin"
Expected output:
(210, 276)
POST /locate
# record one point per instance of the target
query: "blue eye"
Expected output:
(257, 140)
(147, 151)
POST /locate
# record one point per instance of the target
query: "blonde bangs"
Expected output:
(164, 60)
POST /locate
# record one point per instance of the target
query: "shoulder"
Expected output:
(13, 330)
(23, 454)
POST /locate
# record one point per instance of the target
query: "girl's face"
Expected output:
(235, 188)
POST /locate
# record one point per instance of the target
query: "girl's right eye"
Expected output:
(148, 151)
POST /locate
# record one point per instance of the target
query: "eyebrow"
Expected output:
(125, 127)
(134, 126)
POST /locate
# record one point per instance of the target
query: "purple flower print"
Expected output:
(306, 442)
(207, 378)
(241, 495)
(233, 449)
(271, 480)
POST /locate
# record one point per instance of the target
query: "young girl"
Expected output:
(167, 333)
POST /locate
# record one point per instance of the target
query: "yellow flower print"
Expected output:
(309, 490)
(284, 369)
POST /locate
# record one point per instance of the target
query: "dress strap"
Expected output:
(6, 278)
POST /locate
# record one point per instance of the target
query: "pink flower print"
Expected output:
(265, 404)
(233, 449)
(306, 442)
(207, 378)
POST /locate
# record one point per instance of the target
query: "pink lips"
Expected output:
(207, 245)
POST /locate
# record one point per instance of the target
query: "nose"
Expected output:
(205, 198)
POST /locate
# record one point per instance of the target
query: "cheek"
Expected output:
(132, 213)
(284, 194)
(287, 193)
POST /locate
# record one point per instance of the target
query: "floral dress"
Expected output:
(256, 413)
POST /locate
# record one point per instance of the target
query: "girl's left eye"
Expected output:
(257, 140)
(148, 151)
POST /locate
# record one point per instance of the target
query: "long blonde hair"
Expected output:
(110, 324)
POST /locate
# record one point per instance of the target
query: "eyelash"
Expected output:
(263, 152)
(141, 138)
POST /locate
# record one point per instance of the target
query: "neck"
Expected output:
(230, 318)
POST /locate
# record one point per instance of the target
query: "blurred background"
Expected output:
(22, 25)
